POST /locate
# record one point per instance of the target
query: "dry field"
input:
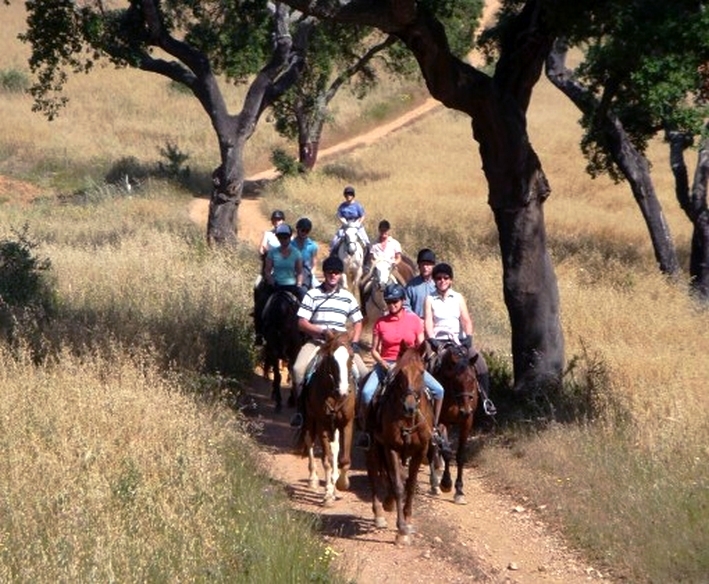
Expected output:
(630, 486)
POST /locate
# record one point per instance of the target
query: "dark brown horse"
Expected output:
(402, 418)
(456, 372)
(282, 340)
(329, 410)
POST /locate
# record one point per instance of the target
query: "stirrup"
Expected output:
(489, 407)
(296, 420)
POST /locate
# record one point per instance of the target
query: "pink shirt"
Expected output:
(392, 329)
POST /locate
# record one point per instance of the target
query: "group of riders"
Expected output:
(425, 309)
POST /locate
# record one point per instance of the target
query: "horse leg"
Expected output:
(293, 397)
(327, 462)
(374, 473)
(434, 465)
(313, 480)
(446, 482)
(345, 461)
(403, 535)
(276, 385)
(459, 498)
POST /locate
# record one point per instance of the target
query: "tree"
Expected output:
(341, 55)
(644, 72)
(497, 105)
(190, 42)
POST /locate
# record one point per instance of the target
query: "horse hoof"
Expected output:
(460, 500)
(380, 522)
(314, 484)
(446, 485)
(328, 501)
(403, 539)
(343, 483)
(435, 491)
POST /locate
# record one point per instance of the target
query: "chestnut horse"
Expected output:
(455, 371)
(282, 340)
(329, 410)
(402, 420)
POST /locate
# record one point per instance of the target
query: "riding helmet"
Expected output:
(443, 269)
(304, 223)
(284, 229)
(278, 215)
(349, 190)
(426, 255)
(394, 292)
(333, 264)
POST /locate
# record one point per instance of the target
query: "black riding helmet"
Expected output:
(349, 190)
(443, 269)
(304, 223)
(393, 292)
(278, 215)
(426, 255)
(333, 264)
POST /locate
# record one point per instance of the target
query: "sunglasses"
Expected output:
(438, 278)
(333, 272)
(393, 301)
(304, 230)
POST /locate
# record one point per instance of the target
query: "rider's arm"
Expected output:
(427, 318)
(314, 330)
(268, 270)
(376, 347)
(263, 247)
(299, 272)
(466, 323)
(356, 331)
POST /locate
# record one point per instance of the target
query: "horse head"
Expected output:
(381, 273)
(406, 383)
(457, 374)
(351, 240)
(336, 354)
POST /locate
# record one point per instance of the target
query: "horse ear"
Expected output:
(402, 348)
(423, 350)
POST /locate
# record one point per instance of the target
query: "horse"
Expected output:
(282, 340)
(455, 371)
(351, 251)
(372, 289)
(329, 411)
(402, 424)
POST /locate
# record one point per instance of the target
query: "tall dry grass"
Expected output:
(628, 482)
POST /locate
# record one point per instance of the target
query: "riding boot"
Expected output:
(364, 438)
(367, 262)
(443, 444)
(298, 418)
(484, 386)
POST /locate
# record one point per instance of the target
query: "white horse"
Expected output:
(351, 251)
(372, 292)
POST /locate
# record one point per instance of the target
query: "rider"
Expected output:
(350, 213)
(269, 239)
(422, 285)
(446, 319)
(283, 269)
(387, 248)
(308, 250)
(327, 307)
(387, 335)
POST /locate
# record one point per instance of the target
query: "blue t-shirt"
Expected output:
(307, 251)
(416, 291)
(350, 211)
(284, 268)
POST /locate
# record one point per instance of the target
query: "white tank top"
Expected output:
(446, 315)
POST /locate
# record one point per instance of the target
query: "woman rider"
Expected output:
(387, 335)
(308, 250)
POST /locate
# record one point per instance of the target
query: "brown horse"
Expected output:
(329, 410)
(402, 419)
(455, 371)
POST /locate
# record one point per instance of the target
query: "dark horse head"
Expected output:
(406, 384)
(282, 337)
(457, 374)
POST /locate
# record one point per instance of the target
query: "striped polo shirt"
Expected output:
(330, 310)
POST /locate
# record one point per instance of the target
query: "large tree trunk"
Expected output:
(630, 161)
(694, 204)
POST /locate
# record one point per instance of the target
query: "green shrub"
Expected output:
(14, 81)
(286, 164)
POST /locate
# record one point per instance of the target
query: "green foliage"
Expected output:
(173, 167)
(284, 163)
(27, 298)
(13, 81)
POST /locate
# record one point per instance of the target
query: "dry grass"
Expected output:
(630, 485)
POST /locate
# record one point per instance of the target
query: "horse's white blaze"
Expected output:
(381, 272)
(341, 356)
(352, 255)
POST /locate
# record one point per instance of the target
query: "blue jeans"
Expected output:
(378, 375)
